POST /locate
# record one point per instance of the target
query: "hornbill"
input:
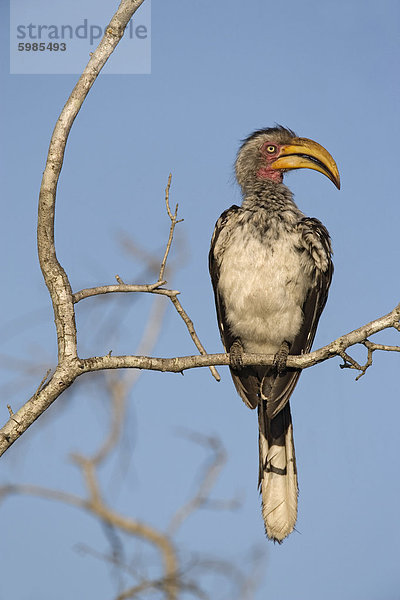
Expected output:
(271, 268)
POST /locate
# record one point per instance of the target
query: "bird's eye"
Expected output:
(271, 149)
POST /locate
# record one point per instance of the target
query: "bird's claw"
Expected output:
(235, 356)
(280, 358)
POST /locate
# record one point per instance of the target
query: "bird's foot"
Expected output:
(235, 356)
(280, 358)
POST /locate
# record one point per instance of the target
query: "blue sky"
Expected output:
(327, 70)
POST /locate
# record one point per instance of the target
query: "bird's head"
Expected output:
(267, 153)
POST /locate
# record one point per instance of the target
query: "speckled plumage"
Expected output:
(271, 269)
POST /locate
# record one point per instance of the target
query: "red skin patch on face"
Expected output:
(266, 172)
(272, 174)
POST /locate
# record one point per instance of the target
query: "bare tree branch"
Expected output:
(95, 506)
(54, 275)
(174, 221)
(303, 361)
(155, 288)
(171, 580)
(65, 375)
(371, 347)
(151, 288)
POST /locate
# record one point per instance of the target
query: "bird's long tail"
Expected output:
(278, 474)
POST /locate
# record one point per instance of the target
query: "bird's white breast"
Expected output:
(263, 282)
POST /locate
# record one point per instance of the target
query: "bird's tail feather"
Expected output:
(278, 474)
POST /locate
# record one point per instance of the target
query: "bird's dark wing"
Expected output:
(316, 241)
(227, 220)
(248, 382)
(214, 260)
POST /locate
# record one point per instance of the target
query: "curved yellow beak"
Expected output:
(303, 153)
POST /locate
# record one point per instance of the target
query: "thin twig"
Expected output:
(41, 384)
(41, 492)
(122, 288)
(348, 361)
(371, 348)
(190, 327)
(174, 222)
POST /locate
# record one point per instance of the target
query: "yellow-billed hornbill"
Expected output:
(271, 269)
